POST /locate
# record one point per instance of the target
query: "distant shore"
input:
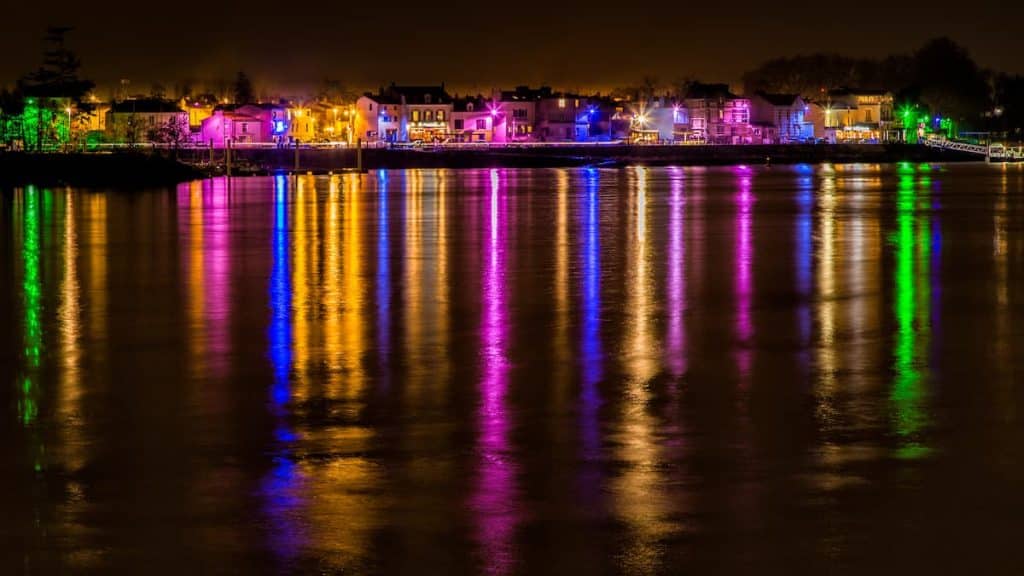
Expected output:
(125, 169)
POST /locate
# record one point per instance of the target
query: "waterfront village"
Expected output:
(399, 115)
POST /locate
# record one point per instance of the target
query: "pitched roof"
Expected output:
(414, 95)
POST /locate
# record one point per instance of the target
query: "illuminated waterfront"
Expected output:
(638, 370)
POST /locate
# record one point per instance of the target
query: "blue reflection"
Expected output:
(383, 270)
(804, 253)
(280, 303)
(591, 344)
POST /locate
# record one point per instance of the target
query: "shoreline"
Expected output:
(144, 168)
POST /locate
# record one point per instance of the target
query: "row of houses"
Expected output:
(705, 114)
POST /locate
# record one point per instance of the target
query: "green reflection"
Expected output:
(912, 298)
(32, 295)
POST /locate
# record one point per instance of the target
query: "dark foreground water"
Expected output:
(771, 370)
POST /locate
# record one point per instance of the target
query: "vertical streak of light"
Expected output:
(495, 492)
(383, 273)
(300, 291)
(70, 331)
(196, 281)
(217, 285)
(744, 273)
(97, 238)
(561, 280)
(593, 356)
(413, 284)
(353, 288)
(330, 292)
(31, 293)
(641, 502)
(804, 255)
(676, 341)
(282, 486)
(826, 348)
(907, 392)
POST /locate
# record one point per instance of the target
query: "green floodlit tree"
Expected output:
(51, 93)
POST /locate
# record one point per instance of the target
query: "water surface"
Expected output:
(672, 370)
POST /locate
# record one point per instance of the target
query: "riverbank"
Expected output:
(323, 160)
(119, 169)
(146, 169)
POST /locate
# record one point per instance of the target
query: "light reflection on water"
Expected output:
(642, 365)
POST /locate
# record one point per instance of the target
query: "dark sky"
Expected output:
(476, 45)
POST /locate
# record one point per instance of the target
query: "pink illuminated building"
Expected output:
(717, 116)
(477, 120)
(246, 124)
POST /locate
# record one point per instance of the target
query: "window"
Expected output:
(429, 116)
(415, 115)
(245, 127)
(561, 102)
(519, 113)
(481, 124)
(440, 116)
(458, 124)
(469, 106)
(867, 116)
(426, 98)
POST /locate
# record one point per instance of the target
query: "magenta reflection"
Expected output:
(744, 281)
(494, 495)
(676, 340)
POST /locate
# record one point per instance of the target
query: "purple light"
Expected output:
(743, 288)
(676, 340)
(495, 490)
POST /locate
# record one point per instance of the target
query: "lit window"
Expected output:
(561, 102)
(429, 116)
(415, 115)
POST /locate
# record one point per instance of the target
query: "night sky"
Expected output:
(476, 45)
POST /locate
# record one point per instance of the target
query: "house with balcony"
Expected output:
(477, 120)
(854, 115)
(564, 117)
(780, 119)
(717, 116)
(519, 108)
(248, 124)
(138, 120)
(405, 114)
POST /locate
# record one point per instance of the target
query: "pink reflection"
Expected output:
(676, 340)
(744, 257)
(493, 498)
(218, 276)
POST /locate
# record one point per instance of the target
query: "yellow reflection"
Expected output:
(352, 296)
(70, 335)
(300, 289)
(826, 348)
(641, 501)
(1003, 336)
(412, 285)
(330, 293)
(562, 343)
(97, 238)
(196, 279)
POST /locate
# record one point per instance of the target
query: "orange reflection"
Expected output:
(640, 499)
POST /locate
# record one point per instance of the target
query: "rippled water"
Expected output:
(773, 370)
